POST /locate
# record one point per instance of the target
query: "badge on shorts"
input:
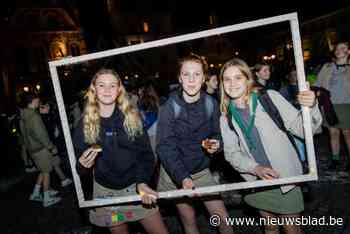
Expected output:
(119, 217)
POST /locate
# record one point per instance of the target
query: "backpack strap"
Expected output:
(209, 107)
(274, 114)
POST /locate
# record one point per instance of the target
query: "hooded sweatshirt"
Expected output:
(180, 138)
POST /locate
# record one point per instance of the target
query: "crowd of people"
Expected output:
(140, 143)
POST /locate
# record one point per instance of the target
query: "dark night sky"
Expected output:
(193, 15)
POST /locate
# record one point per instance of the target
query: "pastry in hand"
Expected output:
(96, 147)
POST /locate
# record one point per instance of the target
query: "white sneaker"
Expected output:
(53, 192)
(51, 201)
(66, 182)
(34, 197)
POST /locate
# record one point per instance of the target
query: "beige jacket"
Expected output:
(278, 148)
(325, 75)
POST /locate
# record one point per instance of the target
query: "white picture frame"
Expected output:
(298, 53)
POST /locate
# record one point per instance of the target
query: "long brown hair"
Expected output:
(91, 118)
(149, 100)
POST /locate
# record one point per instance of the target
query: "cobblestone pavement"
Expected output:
(327, 197)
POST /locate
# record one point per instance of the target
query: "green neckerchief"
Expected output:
(235, 115)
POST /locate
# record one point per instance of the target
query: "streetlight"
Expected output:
(37, 87)
(26, 89)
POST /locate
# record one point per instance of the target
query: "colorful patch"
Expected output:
(117, 217)
(129, 214)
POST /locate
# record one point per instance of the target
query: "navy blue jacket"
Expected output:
(122, 161)
(179, 140)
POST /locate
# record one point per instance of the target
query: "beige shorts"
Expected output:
(109, 216)
(43, 160)
(200, 179)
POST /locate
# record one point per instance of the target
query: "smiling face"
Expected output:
(341, 51)
(107, 89)
(235, 83)
(191, 78)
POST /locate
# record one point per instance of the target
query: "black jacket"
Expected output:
(122, 161)
(179, 139)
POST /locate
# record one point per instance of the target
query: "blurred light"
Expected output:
(26, 89)
(126, 77)
(211, 65)
(14, 130)
(236, 53)
(211, 20)
(273, 56)
(37, 87)
(65, 73)
(136, 76)
(145, 27)
(220, 64)
(266, 58)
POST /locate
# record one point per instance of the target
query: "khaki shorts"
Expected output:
(109, 216)
(43, 160)
(200, 179)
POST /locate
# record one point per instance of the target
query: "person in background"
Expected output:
(149, 107)
(52, 128)
(40, 148)
(262, 72)
(335, 77)
(212, 84)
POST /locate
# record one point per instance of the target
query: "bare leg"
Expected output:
(40, 179)
(346, 133)
(46, 181)
(188, 218)
(291, 229)
(154, 224)
(335, 139)
(269, 229)
(120, 229)
(218, 207)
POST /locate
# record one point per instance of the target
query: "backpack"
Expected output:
(274, 114)
(209, 107)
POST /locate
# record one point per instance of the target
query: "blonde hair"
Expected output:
(244, 68)
(91, 118)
